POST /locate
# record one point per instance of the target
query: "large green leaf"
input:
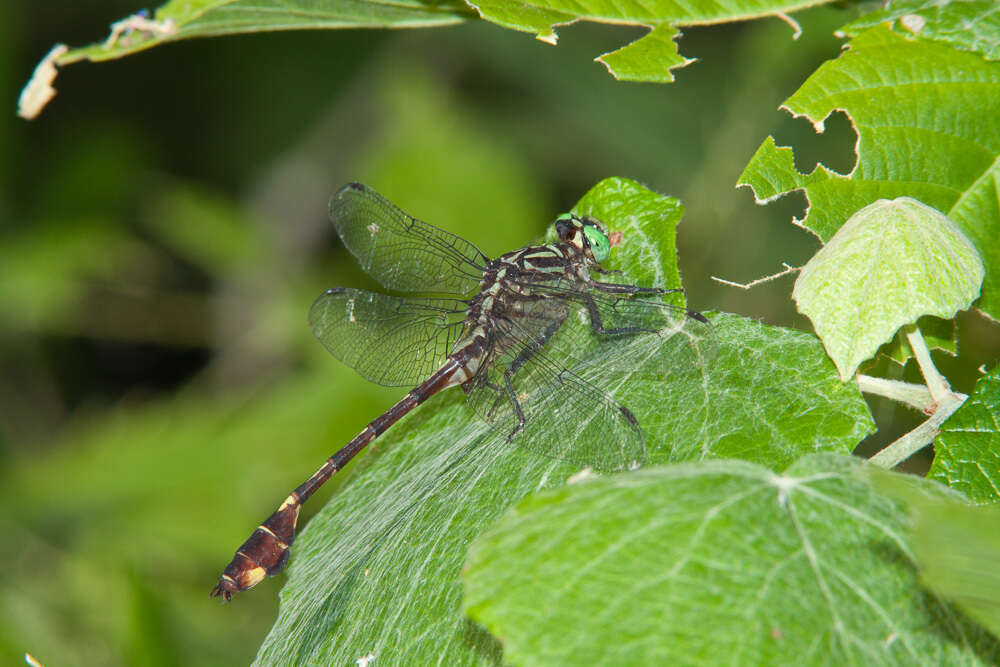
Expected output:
(889, 264)
(715, 562)
(928, 123)
(376, 571)
(972, 25)
(967, 452)
(652, 56)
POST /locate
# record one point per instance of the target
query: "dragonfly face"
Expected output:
(586, 234)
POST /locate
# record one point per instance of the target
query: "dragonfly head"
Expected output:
(586, 233)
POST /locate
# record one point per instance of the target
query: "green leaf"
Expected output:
(957, 546)
(928, 123)
(524, 16)
(971, 25)
(891, 263)
(185, 19)
(958, 549)
(651, 57)
(683, 564)
(376, 571)
(967, 452)
(648, 59)
(769, 396)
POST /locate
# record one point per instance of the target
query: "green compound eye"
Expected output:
(599, 243)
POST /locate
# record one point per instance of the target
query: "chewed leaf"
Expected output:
(643, 58)
(889, 264)
(926, 117)
(648, 59)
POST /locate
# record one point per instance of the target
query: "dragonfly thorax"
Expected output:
(520, 272)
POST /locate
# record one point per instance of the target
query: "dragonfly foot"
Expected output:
(517, 429)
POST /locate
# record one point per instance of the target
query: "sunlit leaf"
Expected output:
(927, 119)
(184, 19)
(972, 25)
(683, 564)
(652, 56)
(889, 264)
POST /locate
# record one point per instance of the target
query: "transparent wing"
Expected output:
(401, 252)
(543, 406)
(620, 308)
(389, 340)
(687, 340)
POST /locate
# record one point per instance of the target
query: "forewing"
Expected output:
(390, 340)
(401, 252)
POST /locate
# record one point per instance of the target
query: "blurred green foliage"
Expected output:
(163, 231)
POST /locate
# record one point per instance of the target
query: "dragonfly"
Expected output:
(483, 324)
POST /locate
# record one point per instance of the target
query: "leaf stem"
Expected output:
(944, 402)
(916, 395)
(936, 383)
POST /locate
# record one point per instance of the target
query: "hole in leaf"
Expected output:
(834, 148)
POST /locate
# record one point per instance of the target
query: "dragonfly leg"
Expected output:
(512, 395)
(499, 399)
(597, 324)
(522, 358)
(612, 288)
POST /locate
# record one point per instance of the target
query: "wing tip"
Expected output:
(337, 196)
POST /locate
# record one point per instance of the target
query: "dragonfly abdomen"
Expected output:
(265, 552)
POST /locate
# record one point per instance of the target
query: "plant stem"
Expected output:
(936, 383)
(942, 405)
(915, 395)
